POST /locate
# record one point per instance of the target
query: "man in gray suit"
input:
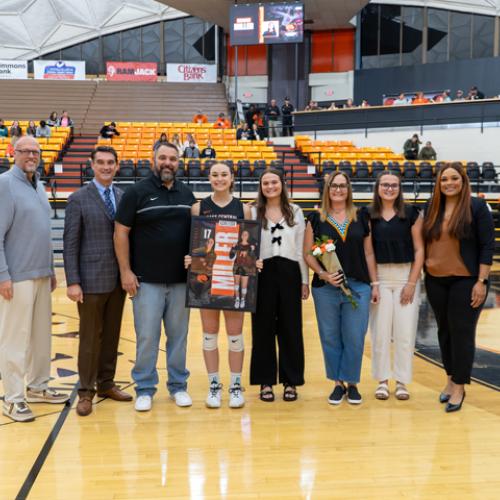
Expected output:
(93, 281)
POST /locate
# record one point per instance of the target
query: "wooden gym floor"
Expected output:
(307, 449)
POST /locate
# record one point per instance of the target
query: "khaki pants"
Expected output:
(25, 326)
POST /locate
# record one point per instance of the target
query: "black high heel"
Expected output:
(450, 407)
(444, 398)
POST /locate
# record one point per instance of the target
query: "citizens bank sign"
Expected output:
(13, 70)
(195, 73)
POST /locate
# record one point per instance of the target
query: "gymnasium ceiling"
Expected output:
(486, 7)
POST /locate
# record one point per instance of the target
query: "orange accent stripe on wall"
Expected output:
(343, 50)
(322, 52)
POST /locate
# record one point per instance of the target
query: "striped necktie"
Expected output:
(109, 203)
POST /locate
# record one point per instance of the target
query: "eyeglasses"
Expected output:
(338, 187)
(28, 152)
(385, 185)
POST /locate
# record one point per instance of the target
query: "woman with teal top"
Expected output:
(342, 322)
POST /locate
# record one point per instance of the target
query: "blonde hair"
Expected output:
(325, 199)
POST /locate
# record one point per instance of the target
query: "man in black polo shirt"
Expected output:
(152, 227)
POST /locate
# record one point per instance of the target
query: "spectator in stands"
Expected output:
(364, 104)
(258, 126)
(15, 130)
(4, 131)
(43, 130)
(53, 119)
(287, 121)
(272, 114)
(420, 99)
(65, 120)
(162, 140)
(31, 129)
(109, 131)
(209, 151)
(192, 150)
(474, 94)
(427, 152)
(401, 100)
(249, 115)
(332, 107)
(349, 104)
(444, 97)
(312, 106)
(222, 121)
(411, 147)
(200, 117)
(189, 138)
(243, 132)
(254, 133)
(459, 96)
(9, 151)
(176, 141)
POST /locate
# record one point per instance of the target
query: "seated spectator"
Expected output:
(411, 147)
(255, 133)
(191, 151)
(65, 120)
(474, 94)
(209, 151)
(53, 119)
(4, 131)
(401, 100)
(249, 114)
(109, 131)
(15, 130)
(31, 129)
(43, 130)
(258, 126)
(189, 139)
(200, 117)
(162, 140)
(176, 141)
(222, 121)
(332, 107)
(243, 132)
(459, 96)
(349, 104)
(444, 97)
(420, 99)
(9, 152)
(312, 106)
(427, 152)
(364, 104)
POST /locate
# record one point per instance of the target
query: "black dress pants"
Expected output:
(456, 319)
(278, 315)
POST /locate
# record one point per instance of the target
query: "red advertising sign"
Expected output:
(132, 71)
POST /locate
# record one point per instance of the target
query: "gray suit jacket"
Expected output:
(89, 255)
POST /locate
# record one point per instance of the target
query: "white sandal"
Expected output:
(382, 391)
(401, 392)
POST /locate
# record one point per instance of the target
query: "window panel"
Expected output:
(72, 53)
(483, 35)
(460, 36)
(174, 34)
(369, 36)
(413, 23)
(151, 43)
(437, 35)
(91, 55)
(390, 35)
(111, 47)
(131, 45)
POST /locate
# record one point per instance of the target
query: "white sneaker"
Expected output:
(182, 399)
(19, 412)
(236, 399)
(242, 304)
(237, 303)
(143, 403)
(214, 396)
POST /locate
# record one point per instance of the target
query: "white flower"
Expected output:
(330, 247)
(317, 252)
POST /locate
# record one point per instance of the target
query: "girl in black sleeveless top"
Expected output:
(222, 205)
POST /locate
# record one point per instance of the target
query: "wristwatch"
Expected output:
(484, 281)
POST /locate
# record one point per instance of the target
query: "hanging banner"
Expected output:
(13, 70)
(223, 272)
(195, 73)
(132, 71)
(59, 70)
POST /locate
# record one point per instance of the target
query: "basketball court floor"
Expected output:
(306, 449)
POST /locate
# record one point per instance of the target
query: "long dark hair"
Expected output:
(261, 202)
(461, 218)
(375, 208)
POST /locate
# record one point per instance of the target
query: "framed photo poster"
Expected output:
(223, 272)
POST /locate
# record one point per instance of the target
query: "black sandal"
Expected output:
(266, 393)
(290, 393)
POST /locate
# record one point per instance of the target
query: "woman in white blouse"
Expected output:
(283, 282)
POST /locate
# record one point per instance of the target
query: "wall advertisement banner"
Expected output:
(132, 71)
(195, 73)
(13, 70)
(59, 70)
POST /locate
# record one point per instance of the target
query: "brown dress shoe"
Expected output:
(84, 406)
(116, 394)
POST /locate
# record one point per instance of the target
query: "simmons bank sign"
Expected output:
(195, 73)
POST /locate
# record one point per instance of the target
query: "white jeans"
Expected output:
(391, 321)
(25, 325)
